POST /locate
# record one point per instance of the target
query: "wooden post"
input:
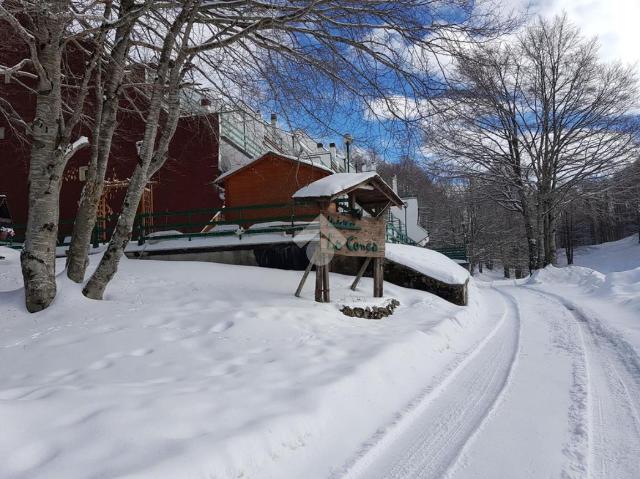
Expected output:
(363, 268)
(320, 281)
(325, 282)
(378, 277)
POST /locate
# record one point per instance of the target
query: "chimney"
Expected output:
(274, 120)
(205, 102)
(394, 184)
(319, 146)
(332, 155)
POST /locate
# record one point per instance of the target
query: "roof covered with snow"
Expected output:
(368, 187)
(304, 161)
(333, 185)
(428, 262)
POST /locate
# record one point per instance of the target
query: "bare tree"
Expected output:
(108, 95)
(161, 122)
(46, 28)
(294, 54)
(535, 118)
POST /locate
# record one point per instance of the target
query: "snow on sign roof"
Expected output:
(369, 186)
(333, 185)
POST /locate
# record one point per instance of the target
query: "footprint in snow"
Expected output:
(101, 364)
(221, 326)
(141, 352)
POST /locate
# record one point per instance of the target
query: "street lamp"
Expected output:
(348, 139)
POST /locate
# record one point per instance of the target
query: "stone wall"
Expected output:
(403, 276)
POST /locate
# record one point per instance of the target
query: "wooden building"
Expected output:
(207, 137)
(269, 181)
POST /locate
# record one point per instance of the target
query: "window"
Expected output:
(82, 173)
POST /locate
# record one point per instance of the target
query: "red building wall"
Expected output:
(185, 181)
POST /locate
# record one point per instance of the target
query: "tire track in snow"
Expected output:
(428, 439)
(614, 397)
(539, 426)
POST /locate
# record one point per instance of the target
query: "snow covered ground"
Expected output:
(553, 391)
(620, 255)
(207, 370)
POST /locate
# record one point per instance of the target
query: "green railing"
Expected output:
(239, 135)
(16, 242)
(290, 218)
(457, 252)
(397, 232)
(191, 224)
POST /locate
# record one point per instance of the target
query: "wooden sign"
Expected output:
(346, 235)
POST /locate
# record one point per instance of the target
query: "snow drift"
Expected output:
(209, 370)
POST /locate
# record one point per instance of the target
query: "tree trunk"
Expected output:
(150, 161)
(532, 244)
(78, 255)
(551, 250)
(108, 266)
(507, 271)
(540, 240)
(569, 236)
(45, 178)
(85, 221)
(638, 211)
(518, 272)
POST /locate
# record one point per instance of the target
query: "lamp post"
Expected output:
(348, 139)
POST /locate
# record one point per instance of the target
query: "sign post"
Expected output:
(349, 233)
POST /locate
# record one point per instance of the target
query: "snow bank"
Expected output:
(10, 274)
(208, 370)
(610, 257)
(609, 297)
(428, 262)
(574, 275)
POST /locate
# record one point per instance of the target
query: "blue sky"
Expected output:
(613, 21)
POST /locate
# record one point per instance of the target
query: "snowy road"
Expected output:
(548, 393)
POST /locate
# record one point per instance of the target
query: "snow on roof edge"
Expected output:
(331, 185)
(232, 171)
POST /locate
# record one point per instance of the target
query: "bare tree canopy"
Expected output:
(310, 56)
(534, 118)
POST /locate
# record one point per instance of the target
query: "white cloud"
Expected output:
(615, 22)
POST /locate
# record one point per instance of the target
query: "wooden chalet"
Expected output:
(261, 191)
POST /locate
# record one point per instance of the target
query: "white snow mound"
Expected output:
(192, 369)
(611, 257)
(428, 262)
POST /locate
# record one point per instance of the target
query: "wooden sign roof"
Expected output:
(367, 189)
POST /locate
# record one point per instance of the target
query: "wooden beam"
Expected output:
(319, 284)
(306, 273)
(363, 268)
(325, 283)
